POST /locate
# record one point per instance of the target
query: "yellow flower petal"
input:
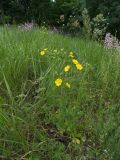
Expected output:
(58, 82)
(66, 68)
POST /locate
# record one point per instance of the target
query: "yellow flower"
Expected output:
(67, 68)
(79, 66)
(75, 61)
(71, 55)
(42, 53)
(67, 85)
(58, 82)
(45, 49)
(76, 141)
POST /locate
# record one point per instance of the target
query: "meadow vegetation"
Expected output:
(59, 97)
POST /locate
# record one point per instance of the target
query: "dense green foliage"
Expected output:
(110, 10)
(19, 11)
(41, 121)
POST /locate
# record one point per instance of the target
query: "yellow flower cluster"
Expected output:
(58, 82)
(78, 65)
(67, 68)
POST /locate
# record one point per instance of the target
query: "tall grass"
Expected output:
(41, 121)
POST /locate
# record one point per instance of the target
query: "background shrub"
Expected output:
(49, 12)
